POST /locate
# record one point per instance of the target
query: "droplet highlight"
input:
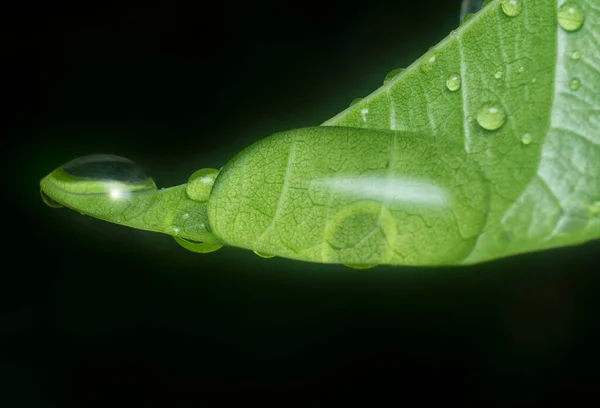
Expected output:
(491, 117)
(512, 8)
(574, 84)
(570, 16)
(453, 83)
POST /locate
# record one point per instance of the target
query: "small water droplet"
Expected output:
(533, 80)
(491, 117)
(355, 101)
(453, 82)
(264, 255)
(521, 69)
(469, 119)
(574, 84)
(526, 138)
(498, 75)
(360, 266)
(200, 183)
(176, 230)
(392, 74)
(185, 216)
(512, 8)
(575, 55)
(466, 18)
(428, 63)
(570, 16)
(49, 201)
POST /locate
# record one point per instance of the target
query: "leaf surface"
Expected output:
(540, 83)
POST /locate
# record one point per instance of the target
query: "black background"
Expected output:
(95, 314)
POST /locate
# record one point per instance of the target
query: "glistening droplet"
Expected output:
(570, 16)
(512, 8)
(453, 82)
(491, 117)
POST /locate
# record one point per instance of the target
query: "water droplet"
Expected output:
(469, 119)
(360, 266)
(49, 201)
(498, 75)
(390, 75)
(103, 174)
(453, 82)
(200, 183)
(533, 80)
(428, 63)
(512, 7)
(466, 18)
(491, 117)
(570, 16)
(185, 216)
(521, 69)
(526, 138)
(355, 101)
(263, 254)
(575, 55)
(574, 84)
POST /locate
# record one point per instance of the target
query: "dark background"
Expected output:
(94, 314)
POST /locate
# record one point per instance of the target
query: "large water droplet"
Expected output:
(574, 84)
(200, 183)
(392, 74)
(570, 16)
(512, 7)
(103, 174)
(575, 55)
(526, 138)
(453, 82)
(491, 117)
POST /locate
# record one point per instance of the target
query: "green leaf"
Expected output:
(485, 147)
(543, 163)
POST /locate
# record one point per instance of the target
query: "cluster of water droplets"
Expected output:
(492, 116)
